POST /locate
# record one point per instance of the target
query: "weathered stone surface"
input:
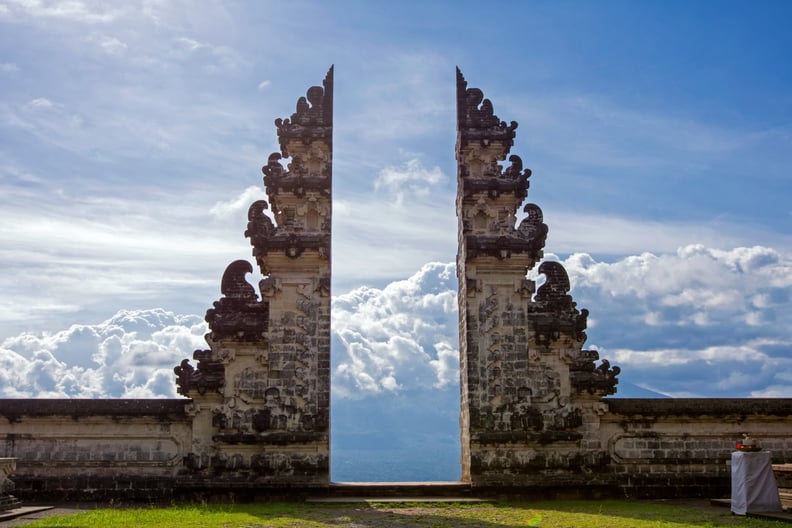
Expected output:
(265, 382)
(526, 382)
(238, 315)
(95, 448)
(7, 501)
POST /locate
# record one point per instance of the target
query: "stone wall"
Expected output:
(95, 448)
(681, 447)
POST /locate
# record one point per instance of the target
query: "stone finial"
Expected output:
(533, 229)
(208, 376)
(313, 118)
(554, 292)
(238, 314)
(586, 376)
(476, 120)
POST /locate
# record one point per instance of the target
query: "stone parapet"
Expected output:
(95, 448)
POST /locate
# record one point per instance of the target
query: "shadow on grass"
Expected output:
(577, 514)
(680, 513)
(556, 514)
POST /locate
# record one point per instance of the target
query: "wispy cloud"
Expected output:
(72, 11)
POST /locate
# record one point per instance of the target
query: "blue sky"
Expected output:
(132, 136)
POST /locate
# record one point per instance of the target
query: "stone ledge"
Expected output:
(700, 406)
(13, 409)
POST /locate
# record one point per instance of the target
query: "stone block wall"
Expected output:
(85, 449)
(682, 447)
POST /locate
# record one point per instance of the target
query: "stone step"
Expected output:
(393, 499)
(786, 498)
(400, 491)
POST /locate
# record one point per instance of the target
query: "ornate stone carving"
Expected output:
(553, 293)
(7, 501)
(476, 120)
(313, 118)
(523, 374)
(266, 238)
(209, 376)
(297, 180)
(238, 315)
(260, 227)
(513, 180)
(501, 247)
(533, 230)
(595, 379)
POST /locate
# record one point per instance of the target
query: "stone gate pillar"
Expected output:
(261, 393)
(529, 393)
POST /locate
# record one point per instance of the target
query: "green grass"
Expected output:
(551, 514)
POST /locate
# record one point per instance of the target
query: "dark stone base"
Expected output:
(9, 502)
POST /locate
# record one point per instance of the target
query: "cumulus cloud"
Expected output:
(398, 338)
(132, 354)
(696, 286)
(699, 322)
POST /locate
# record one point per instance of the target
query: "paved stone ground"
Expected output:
(52, 509)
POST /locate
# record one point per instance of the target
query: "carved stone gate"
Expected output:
(530, 393)
(532, 415)
(261, 391)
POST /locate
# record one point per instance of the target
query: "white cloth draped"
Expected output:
(753, 485)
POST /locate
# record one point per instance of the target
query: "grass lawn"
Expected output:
(551, 514)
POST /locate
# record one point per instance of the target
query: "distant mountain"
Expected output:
(629, 390)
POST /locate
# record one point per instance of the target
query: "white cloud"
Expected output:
(132, 354)
(40, 103)
(573, 231)
(695, 285)
(70, 11)
(76, 257)
(408, 220)
(110, 45)
(221, 57)
(400, 338)
(410, 180)
(237, 207)
(8, 67)
(263, 85)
